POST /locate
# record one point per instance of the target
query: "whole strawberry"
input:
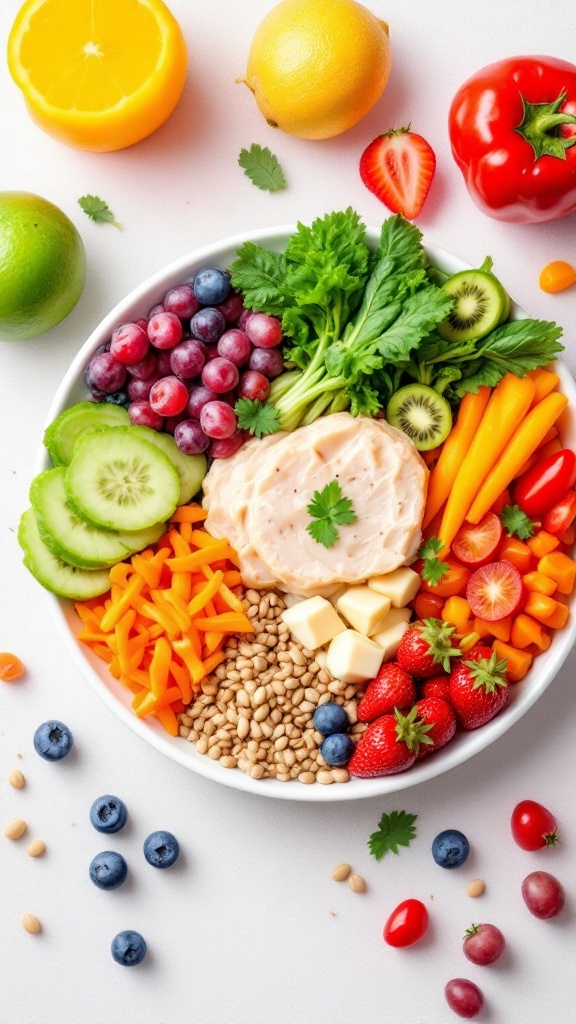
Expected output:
(426, 647)
(436, 687)
(392, 688)
(442, 721)
(389, 745)
(478, 688)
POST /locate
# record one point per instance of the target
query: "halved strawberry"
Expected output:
(476, 545)
(398, 168)
(494, 591)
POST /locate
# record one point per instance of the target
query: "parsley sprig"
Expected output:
(433, 569)
(394, 830)
(516, 522)
(329, 509)
(262, 167)
(98, 210)
(258, 418)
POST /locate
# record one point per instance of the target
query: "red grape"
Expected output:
(142, 415)
(211, 352)
(187, 359)
(235, 346)
(207, 325)
(164, 330)
(543, 894)
(145, 368)
(190, 437)
(220, 375)
(164, 367)
(264, 331)
(227, 447)
(171, 422)
(244, 318)
(140, 389)
(484, 944)
(159, 308)
(254, 385)
(464, 997)
(142, 322)
(129, 344)
(181, 301)
(218, 420)
(168, 396)
(232, 308)
(105, 373)
(267, 361)
(197, 400)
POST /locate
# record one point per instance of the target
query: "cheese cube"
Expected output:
(364, 609)
(335, 597)
(314, 622)
(353, 658)
(389, 637)
(401, 586)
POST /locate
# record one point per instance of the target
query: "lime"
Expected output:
(42, 266)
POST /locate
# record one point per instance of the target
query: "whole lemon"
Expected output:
(316, 67)
(42, 265)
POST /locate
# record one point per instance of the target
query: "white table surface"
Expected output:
(249, 928)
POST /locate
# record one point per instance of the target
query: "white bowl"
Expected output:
(117, 697)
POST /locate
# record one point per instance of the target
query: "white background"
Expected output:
(249, 928)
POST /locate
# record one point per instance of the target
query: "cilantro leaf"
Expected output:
(328, 509)
(515, 521)
(258, 418)
(262, 167)
(98, 210)
(394, 830)
(430, 548)
(433, 569)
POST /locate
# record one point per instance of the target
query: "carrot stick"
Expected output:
(523, 442)
(203, 557)
(116, 611)
(454, 451)
(229, 622)
(507, 407)
(206, 594)
(544, 381)
(189, 514)
(160, 666)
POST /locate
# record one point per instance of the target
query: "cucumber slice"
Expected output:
(120, 482)
(70, 538)
(190, 468)
(60, 435)
(54, 574)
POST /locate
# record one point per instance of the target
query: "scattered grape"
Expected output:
(267, 361)
(168, 396)
(264, 331)
(543, 894)
(164, 330)
(142, 415)
(181, 301)
(464, 997)
(218, 420)
(190, 437)
(105, 373)
(129, 343)
(235, 346)
(187, 359)
(220, 375)
(254, 385)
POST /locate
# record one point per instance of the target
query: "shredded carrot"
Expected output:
(189, 514)
(230, 622)
(204, 556)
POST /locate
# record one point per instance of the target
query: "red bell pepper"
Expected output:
(513, 136)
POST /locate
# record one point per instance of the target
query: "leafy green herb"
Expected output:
(258, 418)
(262, 167)
(515, 521)
(394, 830)
(98, 210)
(433, 569)
(329, 509)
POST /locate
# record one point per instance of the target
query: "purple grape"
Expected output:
(232, 308)
(142, 415)
(145, 369)
(235, 346)
(254, 385)
(105, 373)
(220, 375)
(543, 894)
(181, 301)
(244, 318)
(187, 359)
(267, 361)
(227, 446)
(218, 420)
(264, 331)
(164, 330)
(171, 422)
(164, 367)
(207, 325)
(139, 390)
(190, 437)
(197, 400)
(464, 997)
(155, 310)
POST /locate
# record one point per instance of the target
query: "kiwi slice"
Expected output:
(480, 304)
(53, 573)
(118, 481)
(59, 437)
(422, 414)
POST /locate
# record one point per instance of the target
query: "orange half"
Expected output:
(98, 74)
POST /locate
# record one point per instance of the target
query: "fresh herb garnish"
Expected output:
(258, 418)
(98, 210)
(515, 521)
(394, 830)
(433, 569)
(329, 509)
(262, 167)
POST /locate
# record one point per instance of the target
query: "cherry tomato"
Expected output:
(533, 826)
(543, 485)
(561, 516)
(453, 582)
(476, 545)
(428, 606)
(407, 924)
(494, 591)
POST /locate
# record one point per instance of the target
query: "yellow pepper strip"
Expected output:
(212, 641)
(189, 514)
(147, 570)
(118, 608)
(144, 703)
(190, 562)
(160, 667)
(208, 591)
(186, 532)
(168, 719)
(122, 633)
(103, 652)
(182, 585)
(182, 679)
(141, 678)
(213, 661)
(228, 622)
(156, 630)
(184, 649)
(179, 545)
(135, 688)
(120, 572)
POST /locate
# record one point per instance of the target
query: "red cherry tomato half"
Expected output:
(543, 485)
(533, 826)
(561, 516)
(494, 591)
(476, 545)
(407, 924)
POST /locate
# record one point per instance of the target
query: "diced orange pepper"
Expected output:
(457, 611)
(560, 568)
(480, 626)
(500, 628)
(428, 606)
(517, 662)
(542, 543)
(525, 631)
(453, 582)
(517, 552)
(540, 607)
(539, 583)
(560, 617)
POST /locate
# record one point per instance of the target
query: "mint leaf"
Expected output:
(394, 830)
(98, 210)
(259, 418)
(516, 522)
(262, 167)
(329, 509)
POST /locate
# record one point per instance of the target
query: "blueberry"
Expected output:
(211, 287)
(161, 849)
(128, 948)
(450, 848)
(108, 814)
(337, 749)
(118, 398)
(329, 718)
(108, 870)
(207, 325)
(53, 741)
